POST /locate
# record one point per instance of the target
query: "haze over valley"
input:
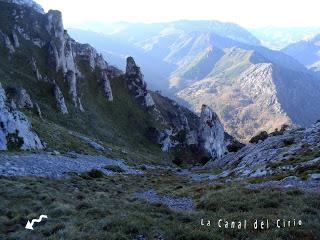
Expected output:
(146, 127)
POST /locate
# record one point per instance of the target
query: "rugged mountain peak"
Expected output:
(136, 84)
(307, 52)
(28, 3)
(55, 24)
(211, 133)
(63, 53)
(15, 129)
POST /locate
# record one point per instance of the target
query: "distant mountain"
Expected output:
(278, 38)
(150, 44)
(139, 32)
(60, 94)
(307, 52)
(252, 88)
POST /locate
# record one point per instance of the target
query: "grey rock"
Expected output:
(89, 141)
(289, 182)
(35, 69)
(15, 40)
(136, 83)
(211, 133)
(254, 160)
(178, 204)
(314, 176)
(7, 42)
(38, 110)
(15, 127)
(61, 105)
(24, 100)
(57, 166)
(29, 3)
(106, 86)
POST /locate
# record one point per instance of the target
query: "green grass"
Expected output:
(121, 125)
(103, 208)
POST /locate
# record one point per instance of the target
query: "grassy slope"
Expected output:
(121, 125)
(103, 208)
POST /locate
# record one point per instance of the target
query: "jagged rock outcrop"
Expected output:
(38, 110)
(35, 69)
(15, 38)
(136, 84)
(15, 129)
(62, 52)
(286, 152)
(7, 42)
(211, 133)
(106, 86)
(24, 100)
(185, 130)
(61, 105)
(28, 3)
(68, 68)
(165, 140)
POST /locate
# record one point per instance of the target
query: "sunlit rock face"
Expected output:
(136, 84)
(211, 133)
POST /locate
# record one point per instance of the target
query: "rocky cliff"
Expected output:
(46, 31)
(136, 84)
(251, 88)
(292, 152)
(62, 83)
(211, 133)
(15, 129)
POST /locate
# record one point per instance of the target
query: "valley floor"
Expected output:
(142, 202)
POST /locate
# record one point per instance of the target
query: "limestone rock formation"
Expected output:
(29, 3)
(282, 152)
(15, 129)
(24, 100)
(186, 130)
(61, 105)
(15, 38)
(136, 84)
(106, 86)
(35, 69)
(211, 133)
(7, 42)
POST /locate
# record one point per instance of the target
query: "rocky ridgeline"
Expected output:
(207, 134)
(15, 129)
(63, 52)
(71, 61)
(283, 152)
(136, 84)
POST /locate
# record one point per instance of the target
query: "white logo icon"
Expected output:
(29, 224)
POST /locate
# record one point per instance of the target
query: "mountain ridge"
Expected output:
(80, 95)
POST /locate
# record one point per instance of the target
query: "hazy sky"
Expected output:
(248, 13)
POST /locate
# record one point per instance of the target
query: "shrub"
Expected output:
(114, 168)
(261, 136)
(95, 173)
